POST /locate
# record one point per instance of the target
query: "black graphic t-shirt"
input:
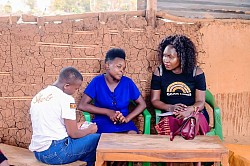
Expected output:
(178, 88)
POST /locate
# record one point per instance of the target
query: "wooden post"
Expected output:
(151, 12)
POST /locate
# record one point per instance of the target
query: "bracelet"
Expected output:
(194, 108)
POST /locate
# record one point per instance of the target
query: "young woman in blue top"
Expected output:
(111, 93)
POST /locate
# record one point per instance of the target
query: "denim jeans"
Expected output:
(69, 150)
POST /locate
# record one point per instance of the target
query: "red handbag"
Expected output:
(193, 125)
(188, 128)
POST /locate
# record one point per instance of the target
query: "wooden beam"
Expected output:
(151, 12)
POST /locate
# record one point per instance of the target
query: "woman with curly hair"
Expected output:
(178, 85)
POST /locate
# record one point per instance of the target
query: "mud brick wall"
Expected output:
(32, 55)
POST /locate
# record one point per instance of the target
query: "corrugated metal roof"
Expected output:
(225, 9)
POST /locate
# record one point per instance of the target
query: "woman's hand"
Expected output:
(121, 118)
(184, 113)
(117, 116)
(178, 107)
(113, 115)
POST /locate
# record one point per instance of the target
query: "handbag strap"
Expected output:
(172, 135)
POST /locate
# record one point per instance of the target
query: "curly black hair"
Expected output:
(115, 53)
(185, 48)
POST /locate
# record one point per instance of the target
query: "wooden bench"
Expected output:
(23, 157)
(239, 154)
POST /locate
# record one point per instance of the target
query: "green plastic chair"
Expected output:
(216, 129)
(147, 120)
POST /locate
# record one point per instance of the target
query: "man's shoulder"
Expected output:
(42, 91)
(52, 92)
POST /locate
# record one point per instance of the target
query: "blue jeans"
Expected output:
(69, 150)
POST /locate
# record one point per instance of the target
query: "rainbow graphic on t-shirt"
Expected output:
(178, 88)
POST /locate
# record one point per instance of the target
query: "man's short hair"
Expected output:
(70, 75)
(115, 53)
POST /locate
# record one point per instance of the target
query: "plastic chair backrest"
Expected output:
(217, 129)
(210, 99)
